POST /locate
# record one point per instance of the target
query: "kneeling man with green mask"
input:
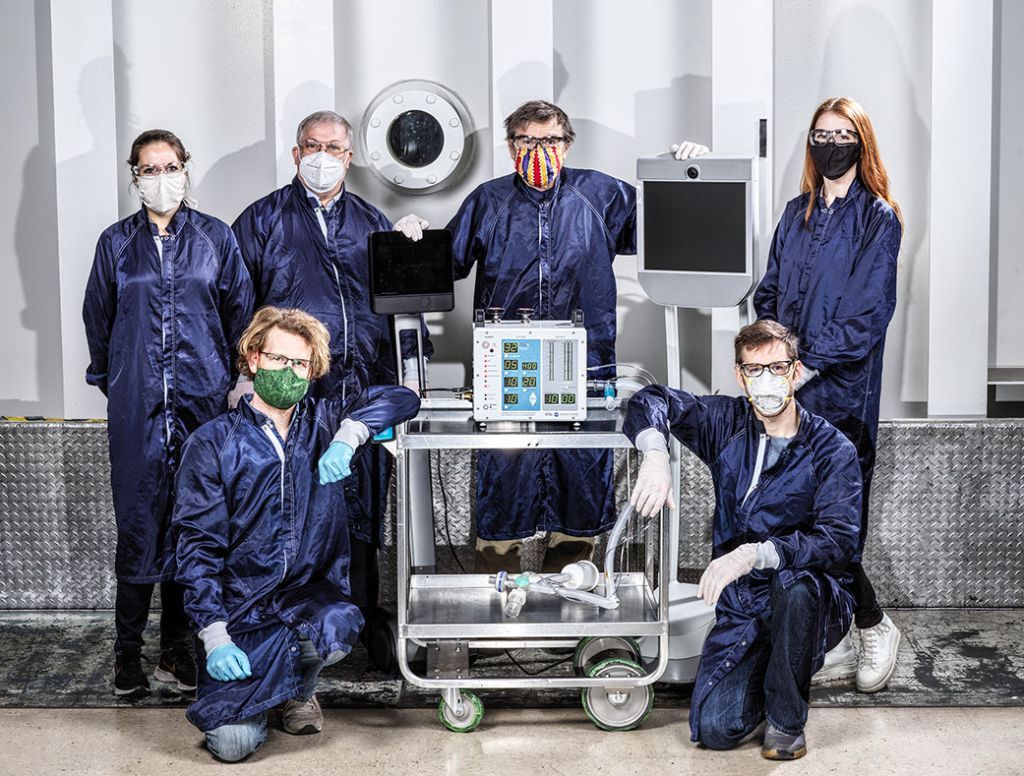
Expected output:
(262, 534)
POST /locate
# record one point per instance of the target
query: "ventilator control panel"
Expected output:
(529, 370)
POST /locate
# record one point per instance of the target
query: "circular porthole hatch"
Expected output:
(417, 136)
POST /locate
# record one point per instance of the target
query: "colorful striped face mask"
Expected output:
(539, 166)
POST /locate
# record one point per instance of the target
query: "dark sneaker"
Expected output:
(129, 679)
(782, 746)
(177, 667)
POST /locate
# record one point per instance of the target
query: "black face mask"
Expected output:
(834, 160)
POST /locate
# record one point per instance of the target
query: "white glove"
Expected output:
(411, 374)
(687, 149)
(412, 226)
(243, 387)
(722, 572)
(653, 487)
(805, 377)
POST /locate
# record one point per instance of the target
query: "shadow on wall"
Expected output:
(236, 180)
(94, 97)
(884, 89)
(35, 244)
(127, 196)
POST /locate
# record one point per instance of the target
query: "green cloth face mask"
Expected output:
(280, 388)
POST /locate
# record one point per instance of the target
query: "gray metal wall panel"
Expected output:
(947, 524)
(56, 518)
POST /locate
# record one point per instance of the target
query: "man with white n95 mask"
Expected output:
(786, 524)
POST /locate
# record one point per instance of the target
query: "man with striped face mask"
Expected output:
(539, 159)
(544, 238)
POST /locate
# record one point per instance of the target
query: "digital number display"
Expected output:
(510, 347)
(511, 398)
(529, 366)
(551, 398)
(513, 382)
(568, 398)
(511, 365)
(528, 382)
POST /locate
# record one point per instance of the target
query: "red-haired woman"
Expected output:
(831, 278)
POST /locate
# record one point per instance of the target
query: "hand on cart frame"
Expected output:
(653, 489)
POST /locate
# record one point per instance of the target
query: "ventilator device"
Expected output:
(529, 370)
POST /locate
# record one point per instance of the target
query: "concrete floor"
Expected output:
(961, 741)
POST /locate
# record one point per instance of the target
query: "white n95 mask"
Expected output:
(321, 171)
(769, 393)
(162, 193)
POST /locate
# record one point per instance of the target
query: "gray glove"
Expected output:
(805, 377)
(243, 387)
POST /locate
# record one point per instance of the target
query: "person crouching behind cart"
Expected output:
(262, 535)
(787, 519)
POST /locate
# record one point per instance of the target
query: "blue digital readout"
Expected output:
(520, 375)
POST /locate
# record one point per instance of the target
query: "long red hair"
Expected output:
(870, 170)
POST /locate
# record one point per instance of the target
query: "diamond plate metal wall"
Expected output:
(946, 524)
(947, 518)
(57, 530)
(947, 514)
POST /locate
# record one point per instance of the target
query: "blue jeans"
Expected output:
(773, 679)
(237, 741)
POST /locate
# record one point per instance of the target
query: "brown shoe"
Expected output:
(302, 718)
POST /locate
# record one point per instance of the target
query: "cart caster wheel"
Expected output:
(596, 649)
(620, 708)
(472, 713)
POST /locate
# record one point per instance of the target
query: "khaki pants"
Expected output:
(506, 555)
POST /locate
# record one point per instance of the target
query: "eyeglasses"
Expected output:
(819, 137)
(527, 143)
(315, 146)
(777, 368)
(280, 362)
(152, 170)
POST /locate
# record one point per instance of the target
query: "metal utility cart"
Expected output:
(450, 614)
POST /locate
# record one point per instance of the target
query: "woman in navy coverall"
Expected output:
(831, 278)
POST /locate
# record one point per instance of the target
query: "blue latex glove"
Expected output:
(334, 464)
(228, 663)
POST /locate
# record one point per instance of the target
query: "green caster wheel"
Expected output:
(622, 708)
(596, 649)
(472, 713)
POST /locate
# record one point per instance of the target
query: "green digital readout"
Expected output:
(551, 398)
(528, 382)
(513, 382)
(568, 398)
(529, 366)
(511, 398)
(510, 347)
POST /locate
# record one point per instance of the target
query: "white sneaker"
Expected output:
(301, 718)
(840, 663)
(877, 661)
